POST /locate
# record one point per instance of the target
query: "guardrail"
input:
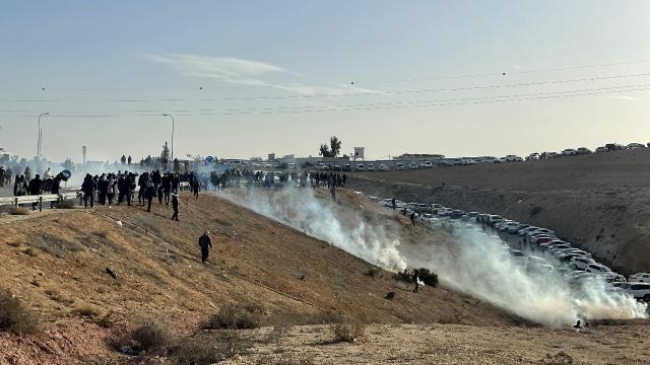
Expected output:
(39, 199)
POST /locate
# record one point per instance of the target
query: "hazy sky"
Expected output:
(245, 78)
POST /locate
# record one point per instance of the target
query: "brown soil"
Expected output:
(600, 202)
(56, 264)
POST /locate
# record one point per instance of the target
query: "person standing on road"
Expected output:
(110, 190)
(88, 188)
(175, 207)
(20, 186)
(56, 189)
(206, 245)
(34, 188)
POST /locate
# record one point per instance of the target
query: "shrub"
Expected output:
(236, 316)
(87, 311)
(210, 349)
(428, 278)
(151, 336)
(14, 317)
(535, 210)
(18, 211)
(347, 332)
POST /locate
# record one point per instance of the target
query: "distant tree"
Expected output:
(148, 161)
(335, 146)
(324, 151)
(164, 155)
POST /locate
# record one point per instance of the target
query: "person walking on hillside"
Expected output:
(175, 207)
(206, 245)
(196, 186)
(416, 280)
(150, 193)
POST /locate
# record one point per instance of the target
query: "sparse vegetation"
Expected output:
(535, 210)
(87, 311)
(347, 332)
(151, 336)
(236, 316)
(15, 317)
(209, 349)
(18, 211)
(427, 277)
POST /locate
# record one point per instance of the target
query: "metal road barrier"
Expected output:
(39, 199)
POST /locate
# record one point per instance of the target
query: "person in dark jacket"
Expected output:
(150, 193)
(56, 189)
(206, 245)
(175, 207)
(34, 188)
(196, 186)
(88, 187)
(416, 280)
(412, 216)
(20, 188)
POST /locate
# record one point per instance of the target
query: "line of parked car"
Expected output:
(585, 151)
(538, 249)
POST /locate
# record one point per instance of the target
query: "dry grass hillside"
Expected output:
(56, 264)
(600, 202)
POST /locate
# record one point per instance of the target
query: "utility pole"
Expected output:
(39, 142)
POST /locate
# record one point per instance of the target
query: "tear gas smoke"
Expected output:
(473, 261)
(479, 264)
(300, 209)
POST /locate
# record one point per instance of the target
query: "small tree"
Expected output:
(324, 151)
(335, 146)
(164, 155)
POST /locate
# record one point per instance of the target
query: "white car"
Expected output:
(371, 167)
(642, 277)
(533, 157)
(399, 166)
(361, 167)
(569, 152)
(635, 145)
(596, 268)
(581, 263)
(384, 167)
(637, 290)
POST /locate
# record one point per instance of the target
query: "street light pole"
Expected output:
(40, 135)
(171, 116)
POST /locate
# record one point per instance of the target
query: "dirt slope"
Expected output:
(56, 263)
(600, 202)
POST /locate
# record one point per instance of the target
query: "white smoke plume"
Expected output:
(300, 209)
(475, 262)
(480, 265)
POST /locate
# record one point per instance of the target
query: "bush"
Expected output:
(427, 277)
(151, 336)
(210, 349)
(14, 317)
(18, 211)
(236, 316)
(534, 211)
(348, 332)
(87, 311)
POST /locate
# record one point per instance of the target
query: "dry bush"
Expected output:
(53, 244)
(374, 272)
(151, 336)
(207, 349)
(236, 316)
(535, 210)
(18, 211)
(347, 332)
(16, 243)
(15, 317)
(103, 234)
(87, 311)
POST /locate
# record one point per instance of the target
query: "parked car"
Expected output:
(635, 145)
(580, 263)
(399, 166)
(371, 167)
(361, 167)
(533, 157)
(615, 147)
(384, 167)
(569, 152)
(601, 149)
(584, 151)
(637, 290)
(640, 277)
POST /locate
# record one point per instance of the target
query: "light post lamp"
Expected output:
(171, 116)
(40, 135)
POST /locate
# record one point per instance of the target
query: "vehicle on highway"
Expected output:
(635, 145)
(584, 151)
(601, 149)
(533, 157)
(637, 290)
(426, 164)
(371, 167)
(384, 167)
(399, 166)
(569, 152)
(580, 263)
(360, 167)
(642, 277)
(615, 147)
